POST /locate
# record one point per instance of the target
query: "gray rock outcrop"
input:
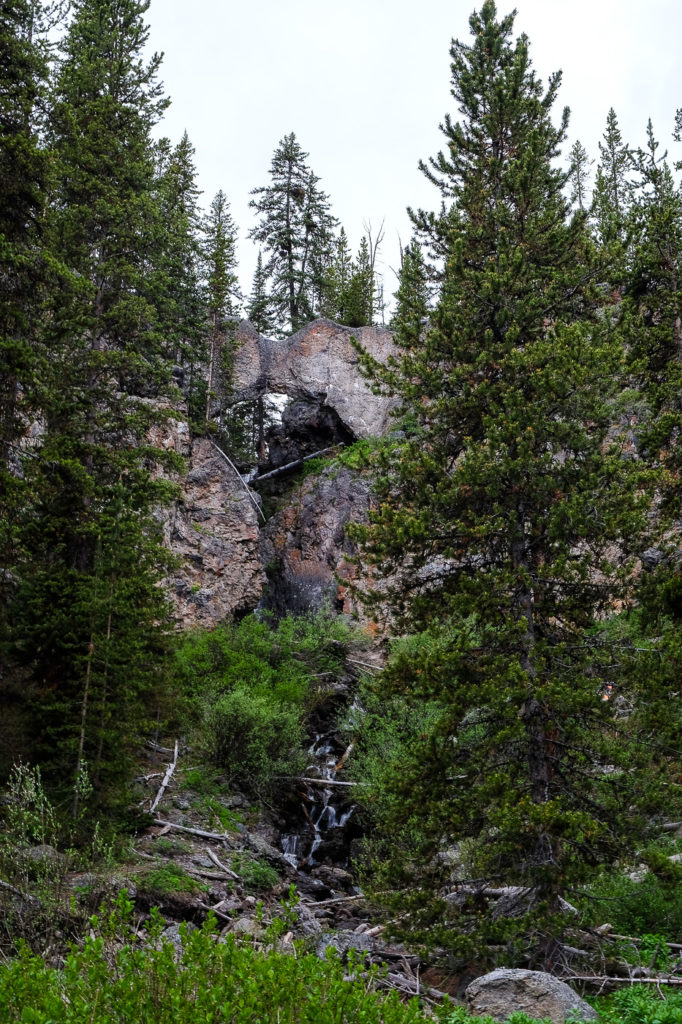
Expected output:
(213, 530)
(305, 543)
(504, 992)
(318, 362)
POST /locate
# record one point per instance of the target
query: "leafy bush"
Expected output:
(106, 983)
(167, 878)
(639, 1005)
(636, 908)
(255, 874)
(250, 686)
(254, 738)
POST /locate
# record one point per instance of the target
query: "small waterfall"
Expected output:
(326, 809)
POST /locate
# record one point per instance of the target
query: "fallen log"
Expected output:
(166, 779)
(604, 980)
(215, 836)
(292, 465)
(326, 782)
(227, 871)
(26, 897)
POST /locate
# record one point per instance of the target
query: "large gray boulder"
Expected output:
(542, 996)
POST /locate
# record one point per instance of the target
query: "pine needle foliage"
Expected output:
(495, 529)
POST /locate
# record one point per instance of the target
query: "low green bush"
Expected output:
(255, 874)
(167, 878)
(648, 906)
(209, 980)
(638, 1004)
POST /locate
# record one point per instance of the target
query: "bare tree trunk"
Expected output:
(84, 717)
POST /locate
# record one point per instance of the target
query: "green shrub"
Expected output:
(105, 983)
(636, 908)
(250, 687)
(256, 740)
(640, 1005)
(255, 874)
(166, 879)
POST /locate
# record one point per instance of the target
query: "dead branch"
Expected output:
(243, 482)
(342, 760)
(363, 664)
(17, 892)
(215, 836)
(219, 864)
(218, 913)
(157, 748)
(326, 782)
(411, 986)
(604, 980)
(336, 899)
(636, 941)
(166, 779)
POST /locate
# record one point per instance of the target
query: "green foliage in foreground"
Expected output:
(110, 981)
(249, 686)
(639, 1005)
(207, 981)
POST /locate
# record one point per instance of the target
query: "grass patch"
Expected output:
(166, 879)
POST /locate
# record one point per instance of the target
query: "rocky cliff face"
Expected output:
(215, 530)
(319, 366)
(304, 545)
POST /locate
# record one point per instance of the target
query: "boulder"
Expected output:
(505, 991)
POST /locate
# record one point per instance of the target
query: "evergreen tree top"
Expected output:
(502, 147)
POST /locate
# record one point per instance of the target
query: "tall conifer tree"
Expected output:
(90, 610)
(412, 297)
(296, 232)
(24, 279)
(613, 188)
(222, 289)
(653, 300)
(173, 278)
(497, 517)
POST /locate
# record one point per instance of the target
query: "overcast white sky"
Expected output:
(365, 83)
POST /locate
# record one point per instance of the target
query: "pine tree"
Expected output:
(174, 275)
(220, 258)
(613, 187)
(24, 173)
(496, 519)
(359, 297)
(90, 614)
(337, 279)
(259, 307)
(296, 231)
(653, 304)
(412, 298)
(23, 169)
(580, 175)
